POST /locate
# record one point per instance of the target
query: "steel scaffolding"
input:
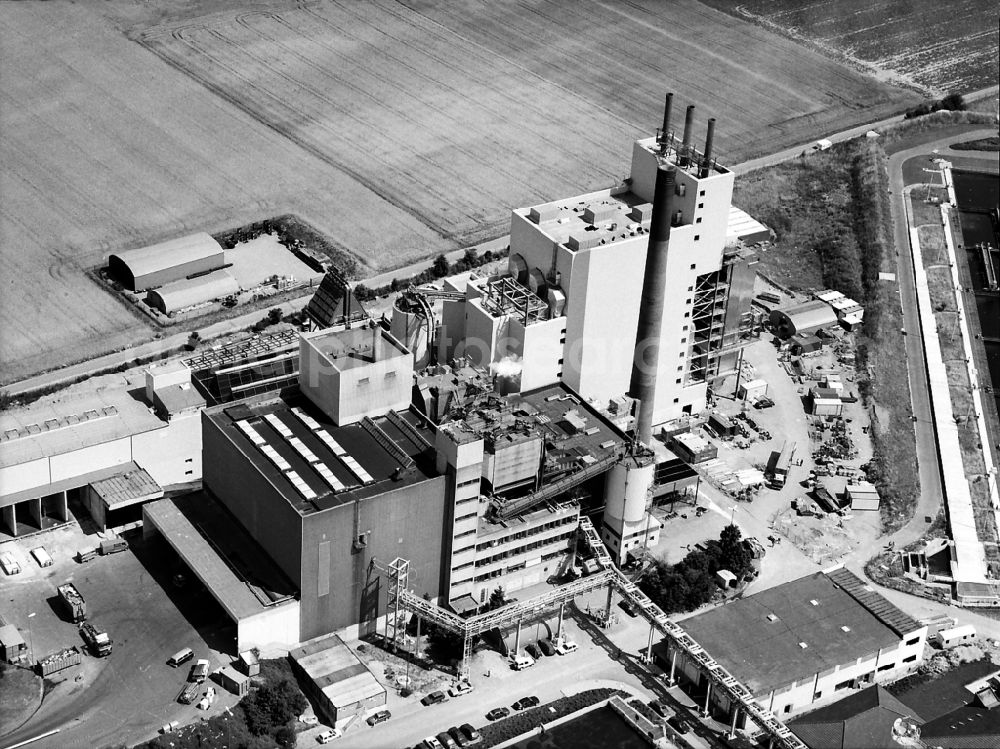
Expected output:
(609, 575)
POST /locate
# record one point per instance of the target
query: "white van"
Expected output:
(181, 656)
(522, 662)
(41, 556)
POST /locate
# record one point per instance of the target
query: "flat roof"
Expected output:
(131, 486)
(65, 423)
(559, 219)
(355, 347)
(758, 638)
(180, 397)
(294, 413)
(239, 574)
(10, 637)
(336, 671)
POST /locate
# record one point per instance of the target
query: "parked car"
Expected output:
(380, 717)
(463, 687)
(547, 647)
(525, 702)
(447, 741)
(522, 662)
(199, 671)
(458, 737)
(9, 564)
(434, 698)
(679, 724)
(327, 736)
(565, 646)
(533, 650)
(431, 742)
(497, 713)
(471, 734)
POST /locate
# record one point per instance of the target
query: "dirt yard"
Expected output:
(400, 131)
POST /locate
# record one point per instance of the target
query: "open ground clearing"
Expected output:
(913, 42)
(398, 131)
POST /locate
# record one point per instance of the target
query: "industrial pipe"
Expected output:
(668, 105)
(646, 357)
(706, 161)
(685, 154)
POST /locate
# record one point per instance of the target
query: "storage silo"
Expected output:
(628, 485)
(411, 327)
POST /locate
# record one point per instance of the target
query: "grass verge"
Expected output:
(527, 721)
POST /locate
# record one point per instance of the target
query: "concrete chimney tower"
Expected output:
(646, 358)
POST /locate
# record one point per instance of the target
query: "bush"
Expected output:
(441, 266)
(951, 103)
(274, 315)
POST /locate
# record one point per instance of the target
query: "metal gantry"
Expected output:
(402, 600)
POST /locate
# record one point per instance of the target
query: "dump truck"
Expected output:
(96, 638)
(75, 604)
(59, 661)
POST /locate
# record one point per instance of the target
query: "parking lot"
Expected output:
(127, 695)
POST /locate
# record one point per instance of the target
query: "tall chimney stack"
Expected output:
(706, 161)
(647, 337)
(685, 154)
(665, 130)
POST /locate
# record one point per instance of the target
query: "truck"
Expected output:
(96, 638)
(75, 604)
(113, 546)
(9, 564)
(781, 465)
(59, 661)
(189, 693)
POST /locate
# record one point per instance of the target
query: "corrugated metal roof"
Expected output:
(895, 619)
(336, 671)
(145, 260)
(191, 291)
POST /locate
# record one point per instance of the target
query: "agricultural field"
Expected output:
(399, 129)
(935, 47)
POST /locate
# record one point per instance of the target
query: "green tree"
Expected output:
(274, 315)
(733, 554)
(441, 266)
(498, 598)
(471, 257)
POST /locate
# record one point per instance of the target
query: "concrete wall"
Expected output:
(171, 455)
(540, 347)
(253, 500)
(408, 522)
(87, 459)
(16, 478)
(274, 628)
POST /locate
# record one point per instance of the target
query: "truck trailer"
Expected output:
(74, 602)
(59, 661)
(96, 638)
(781, 465)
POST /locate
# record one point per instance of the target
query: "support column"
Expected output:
(517, 638)
(708, 698)
(607, 608)
(559, 623)
(770, 742)
(732, 724)
(62, 507)
(672, 681)
(10, 519)
(649, 644)
(35, 510)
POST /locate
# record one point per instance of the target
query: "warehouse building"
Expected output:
(337, 682)
(52, 450)
(802, 319)
(802, 644)
(178, 296)
(174, 260)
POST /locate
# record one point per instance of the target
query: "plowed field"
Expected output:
(937, 46)
(400, 129)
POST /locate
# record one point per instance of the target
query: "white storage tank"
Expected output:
(628, 486)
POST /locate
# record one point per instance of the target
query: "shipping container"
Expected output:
(59, 661)
(74, 602)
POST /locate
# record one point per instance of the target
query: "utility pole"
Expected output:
(31, 652)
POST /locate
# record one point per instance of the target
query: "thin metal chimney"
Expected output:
(665, 130)
(685, 154)
(645, 359)
(706, 159)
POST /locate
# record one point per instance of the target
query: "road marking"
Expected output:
(39, 737)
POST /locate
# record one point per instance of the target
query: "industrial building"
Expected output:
(178, 296)
(802, 319)
(263, 363)
(54, 449)
(802, 644)
(174, 260)
(338, 683)
(570, 305)
(869, 719)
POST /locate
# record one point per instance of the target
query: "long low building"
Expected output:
(148, 267)
(190, 292)
(340, 685)
(802, 644)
